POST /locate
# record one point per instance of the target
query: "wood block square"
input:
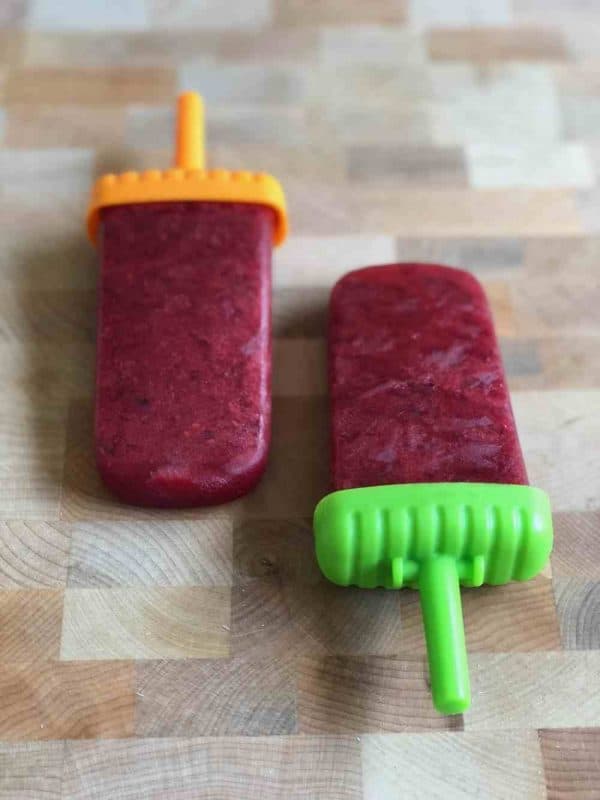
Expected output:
(233, 697)
(576, 544)
(91, 86)
(67, 701)
(286, 619)
(33, 554)
(571, 763)
(31, 126)
(516, 617)
(578, 608)
(280, 550)
(255, 768)
(31, 770)
(31, 623)
(355, 695)
(497, 44)
(158, 553)
(329, 12)
(418, 165)
(453, 765)
(534, 690)
(149, 622)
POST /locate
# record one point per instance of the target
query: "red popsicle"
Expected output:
(183, 369)
(430, 487)
(417, 387)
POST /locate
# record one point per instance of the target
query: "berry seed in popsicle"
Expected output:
(183, 374)
(430, 487)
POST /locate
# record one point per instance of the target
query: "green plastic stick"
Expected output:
(434, 537)
(445, 634)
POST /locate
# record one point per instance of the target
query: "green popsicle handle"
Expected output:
(433, 537)
(445, 634)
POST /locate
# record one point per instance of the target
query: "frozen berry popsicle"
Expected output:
(430, 487)
(183, 371)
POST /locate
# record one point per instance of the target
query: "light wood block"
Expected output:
(138, 623)
(33, 554)
(534, 690)
(30, 770)
(453, 765)
(260, 768)
(161, 553)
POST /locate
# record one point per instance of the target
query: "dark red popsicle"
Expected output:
(183, 373)
(417, 387)
(184, 351)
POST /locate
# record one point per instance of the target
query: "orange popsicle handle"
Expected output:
(189, 141)
(189, 180)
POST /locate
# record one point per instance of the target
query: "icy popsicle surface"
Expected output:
(184, 351)
(430, 487)
(183, 372)
(417, 387)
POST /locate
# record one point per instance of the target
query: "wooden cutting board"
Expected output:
(199, 654)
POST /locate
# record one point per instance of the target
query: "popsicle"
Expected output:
(430, 488)
(183, 370)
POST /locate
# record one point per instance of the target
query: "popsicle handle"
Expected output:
(444, 633)
(189, 147)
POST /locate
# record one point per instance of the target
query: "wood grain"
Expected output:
(457, 764)
(534, 690)
(205, 769)
(578, 607)
(67, 701)
(577, 544)
(517, 617)
(33, 554)
(30, 770)
(236, 697)
(164, 553)
(200, 652)
(31, 459)
(361, 694)
(31, 625)
(149, 622)
(288, 620)
(571, 763)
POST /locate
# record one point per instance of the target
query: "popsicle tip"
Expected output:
(189, 136)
